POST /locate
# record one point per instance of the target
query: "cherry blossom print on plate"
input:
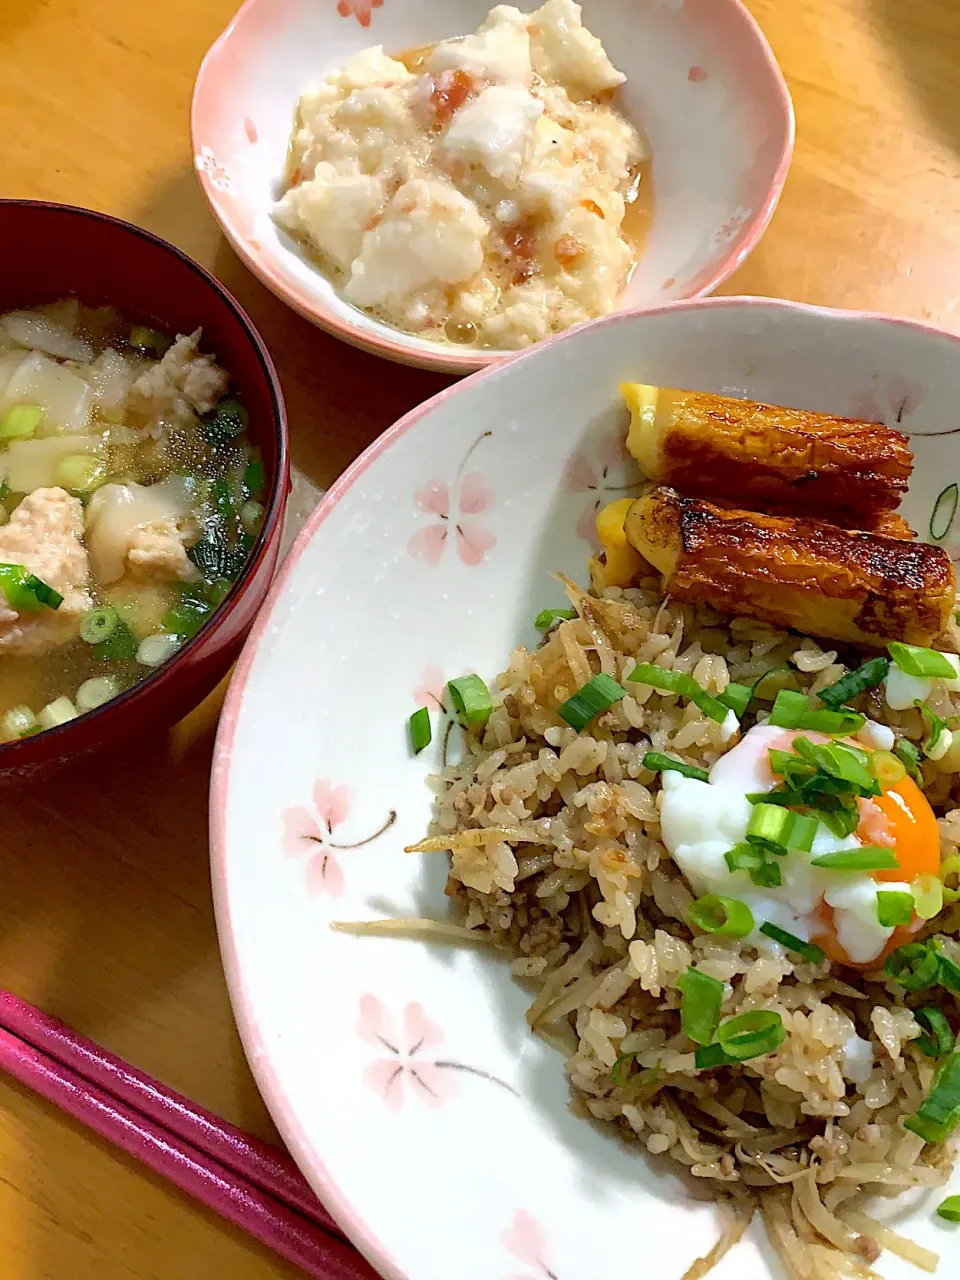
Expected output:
(308, 833)
(410, 1068)
(604, 472)
(362, 10)
(453, 510)
(526, 1241)
(205, 162)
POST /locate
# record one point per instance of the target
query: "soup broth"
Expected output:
(129, 501)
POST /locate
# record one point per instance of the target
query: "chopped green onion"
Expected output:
(791, 711)
(887, 768)
(949, 972)
(737, 697)
(17, 722)
(949, 1210)
(894, 908)
(725, 917)
(929, 664)
(25, 592)
(700, 1005)
(81, 473)
(119, 645)
(870, 858)
(143, 338)
(471, 700)
(230, 420)
(712, 1055)
(769, 827)
(186, 618)
(914, 966)
(839, 818)
(854, 683)
(927, 893)
(754, 860)
(421, 734)
(547, 617)
(847, 764)
(156, 649)
(788, 765)
(99, 624)
(215, 559)
(941, 1041)
(57, 712)
(596, 695)
(255, 479)
(803, 832)
(939, 1113)
(251, 514)
(20, 421)
(936, 727)
(907, 751)
(789, 940)
(771, 682)
(944, 511)
(751, 1035)
(658, 763)
(679, 682)
(95, 692)
(620, 1080)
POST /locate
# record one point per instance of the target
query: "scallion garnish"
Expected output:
(658, 763)
(915, 966)
(949, 1210)
(679, 682)
(948, 974)
(894, 908)
(939, 1113)
(547, 617)
(854, 683)
(887, 768)
(596, 695)
(725, 917)
(847, 764)
(770, 827)
(712, 1055)
(421, 734)
(619, 1077)
(700, 1005)
(751, 1035)
(926, 664)
(936, 727)
(870, 858)
(472, 702)
(753, 859)
(808, 950)
(944, 512)
(230, 419)
(254, 479)
(737, 697)
(908, 752)
(25, 592)
(941, 1040)
(20, 421)
(792, 711)
(771, 682)
(803, 832)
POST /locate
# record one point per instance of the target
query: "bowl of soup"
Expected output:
(143, 482)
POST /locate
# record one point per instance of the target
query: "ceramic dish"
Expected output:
(701, 80)
(63, 251)
(402, 1074)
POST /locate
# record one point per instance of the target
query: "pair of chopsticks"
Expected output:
(241, 1178)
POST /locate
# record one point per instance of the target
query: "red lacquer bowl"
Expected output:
(53, 251)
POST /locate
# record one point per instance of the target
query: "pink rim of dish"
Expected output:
(741, 246)
(292, 1131)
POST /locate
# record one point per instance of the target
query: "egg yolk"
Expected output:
(901, 819)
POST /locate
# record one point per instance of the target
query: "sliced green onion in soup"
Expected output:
(547, 617)
(95, 692)
(929, 664)
(701, 1000)
(724, 917)
(421, 734)
(143, 338)
(599, 693)
(215, 559)
(20, 421)
(17, 722)
(938, 1040)
(25, 592)
(251, 515)
(656, 762)
(99, 624)
(939, 1113)
(156, 649)
(868, 858)
(186, 618)
(57, 712)
(914, 966)
(809, 950)
(81, 473)
(471, 700)
(255, 479)
(230, 420)
(894, 908)
(854, 683)
(944, 512)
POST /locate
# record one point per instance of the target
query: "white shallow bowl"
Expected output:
(402, 1075)
(701, 79)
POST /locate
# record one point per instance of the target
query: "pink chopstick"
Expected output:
(266, 1167)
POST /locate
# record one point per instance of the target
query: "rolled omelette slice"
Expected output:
(790, 572)
(767, 458)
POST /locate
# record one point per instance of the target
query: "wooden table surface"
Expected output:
(105, 912)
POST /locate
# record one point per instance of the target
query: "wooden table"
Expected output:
(105, 914)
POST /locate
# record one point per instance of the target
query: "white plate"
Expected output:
(401, 1074)
(701, 79)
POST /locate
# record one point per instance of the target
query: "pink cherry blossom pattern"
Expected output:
(525, 1240)
(308, 832)
(732, 226)
(250, 129)
(607, 469)
(218, 177)
(362, 10)
(431, 690)
(409, 1066)
(453, 512)
(697, 75)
